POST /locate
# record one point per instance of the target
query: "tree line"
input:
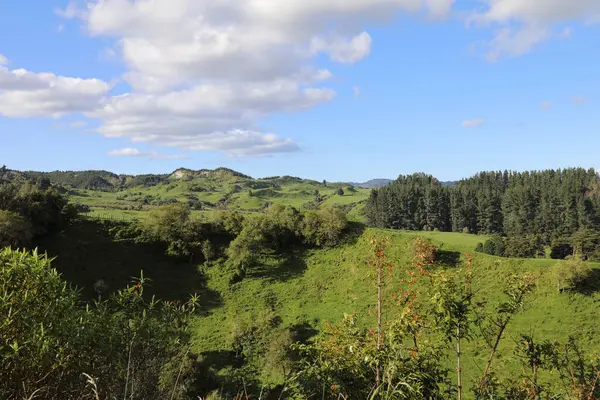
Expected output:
(539, 208)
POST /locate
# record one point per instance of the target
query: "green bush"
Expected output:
(570, 275)
(494, 246)
(324, 227)
(14, 230)
(524, 247)
(48, 340)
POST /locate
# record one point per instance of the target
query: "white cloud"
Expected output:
(511, 42)
(203, 73)
(343, 50)
(524, 24)
(3, 60)
(356, 91)
(546, 105)
(578, 100)
(153, 155)
(60, 28)
(472, 123)
(29, 94)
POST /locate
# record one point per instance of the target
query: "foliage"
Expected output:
(42, 207)
(494, 246)
(571, 274)
(528, 246)
(48, 340)
(535, 207)
(14, 230)
(324, 227)
(173, 226)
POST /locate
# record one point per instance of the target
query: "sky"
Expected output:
(343, 90)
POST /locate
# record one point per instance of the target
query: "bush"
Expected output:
(173, 226)
(494, 246)
(571, 275)
(208, 251)
(524, 247)
(479, 247)
(324, 227)
(48, 340)
(14, 230)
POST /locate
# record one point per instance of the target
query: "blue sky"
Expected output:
(345, 90)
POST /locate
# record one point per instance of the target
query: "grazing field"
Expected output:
(305, 289)
(213, 190)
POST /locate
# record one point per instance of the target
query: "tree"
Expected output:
(172, 225)
(494, 246)
(545, 205)
(208, 250)
(324, 227)
(340, 192)
(14, 230)
(453, 313)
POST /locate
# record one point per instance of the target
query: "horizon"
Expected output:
(392, 178)
(354, 89)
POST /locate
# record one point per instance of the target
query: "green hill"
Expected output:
(303, 290)
(128, 197)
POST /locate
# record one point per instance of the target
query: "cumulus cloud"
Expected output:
(524, 24)
(472, 123)
(546, 105)
(153, 155)
(343, 50)
(3, 60)
(204, 73)
(28, 94)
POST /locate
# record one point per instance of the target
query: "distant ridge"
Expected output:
(373, 183)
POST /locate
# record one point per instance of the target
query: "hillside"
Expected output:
(268, 278)
(304, 290)
(128, 197)
(373, 183)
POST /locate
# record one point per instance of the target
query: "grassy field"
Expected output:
(217, 192)
(307, 288)
(323, 285)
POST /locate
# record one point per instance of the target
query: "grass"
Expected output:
(306, 287)
(322, 285)
(211, 191)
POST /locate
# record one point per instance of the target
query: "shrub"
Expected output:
(494, 246)
(208, 251)
(14, 230)
(48, 340)
(524, 247)
(571, 274)
(324, 227)
(173, 226)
